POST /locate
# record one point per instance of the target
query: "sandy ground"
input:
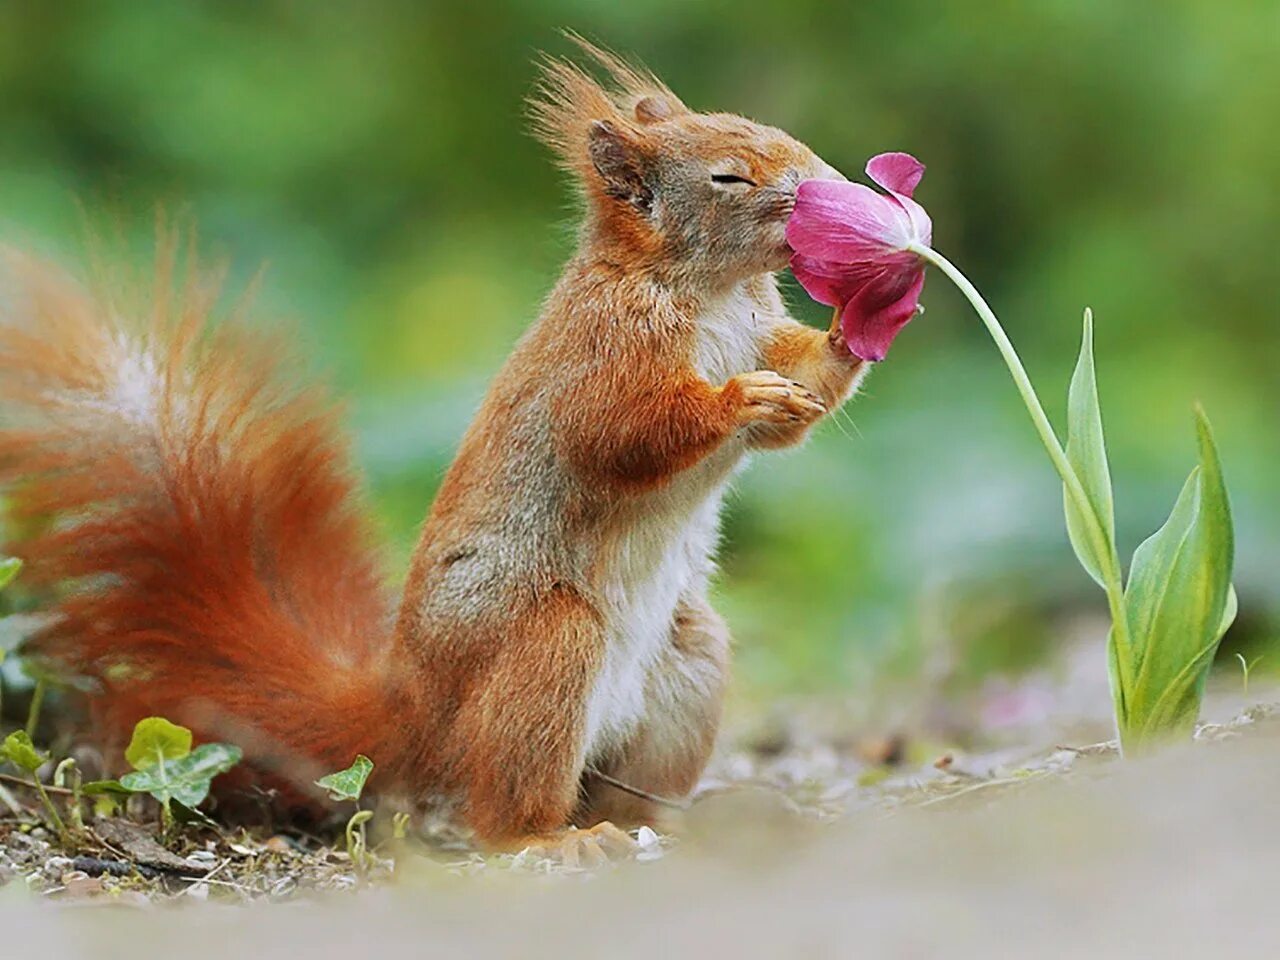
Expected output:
(1075, 856)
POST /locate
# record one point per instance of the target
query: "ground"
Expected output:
(797, 842)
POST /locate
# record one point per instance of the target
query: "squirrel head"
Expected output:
(701, 198)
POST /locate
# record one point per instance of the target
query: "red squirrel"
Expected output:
(212, 555)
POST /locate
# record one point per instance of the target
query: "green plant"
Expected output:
(37, 702)
(18, 749)
(1169, 617)
(66, 775)
(349, 784)
(10, 567)
(865, 253)
(166, 767)
(1246, 668)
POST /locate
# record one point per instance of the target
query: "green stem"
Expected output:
(54, 817)
(33, 712)
(1111, 574)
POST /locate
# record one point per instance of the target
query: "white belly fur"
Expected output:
(669, 553)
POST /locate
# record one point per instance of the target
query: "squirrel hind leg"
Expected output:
(519, 735)
(666, 755)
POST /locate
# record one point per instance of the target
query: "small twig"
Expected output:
(51, 812)
(637, 792)
(1091, 750)
(998, 782)
(108, 847)
(217, 869)
(30, 785)
(225, 883)
(8, 800)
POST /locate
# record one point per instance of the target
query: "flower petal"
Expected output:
(900, 174)
(832, 283)
(921, 223)
(873, 318)
(896, 172)
(846, 222)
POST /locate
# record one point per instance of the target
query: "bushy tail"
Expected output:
(195, 511)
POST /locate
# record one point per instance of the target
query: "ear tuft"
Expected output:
(569, 100)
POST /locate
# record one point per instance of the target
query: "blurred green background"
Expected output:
(1122, 155)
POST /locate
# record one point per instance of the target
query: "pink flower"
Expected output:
(853, 250)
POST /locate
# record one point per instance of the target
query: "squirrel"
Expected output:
(213, 560)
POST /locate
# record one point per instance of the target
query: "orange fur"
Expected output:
(555, 619)
(206, 513)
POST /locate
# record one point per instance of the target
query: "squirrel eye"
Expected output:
(731, 178)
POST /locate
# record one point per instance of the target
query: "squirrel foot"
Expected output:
(593, 847)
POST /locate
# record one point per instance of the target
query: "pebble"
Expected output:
(55, 867)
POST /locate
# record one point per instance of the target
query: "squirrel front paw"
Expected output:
(770, 398)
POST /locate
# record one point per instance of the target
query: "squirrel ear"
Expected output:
(653, 109)
(620, 163)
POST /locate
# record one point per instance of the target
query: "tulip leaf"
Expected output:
(18, 749)
(186, 779)
(1229, 612)
(348, 784)
(1180, 602)
(156, 739)
(1087, 453)
(1116, 678)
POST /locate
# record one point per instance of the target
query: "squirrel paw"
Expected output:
(769, 397)
(593, 847)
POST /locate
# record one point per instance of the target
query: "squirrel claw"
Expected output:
(590, 848)
(769, 397)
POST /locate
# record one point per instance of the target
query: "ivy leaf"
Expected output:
(155, 739)
(9, 569)
(18, 749)
(1087, 453)
(96, 788)
(187, 778)
(348, 784)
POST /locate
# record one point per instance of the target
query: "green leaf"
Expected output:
(1229, 613)
(186, 779)
(348, 784)
(156, 739)
(1180, 602)
(1087, 453)
(98, 787)
(1155, 558)
(18, 749)
(8, 570)
(1116, 682)
(184, 814)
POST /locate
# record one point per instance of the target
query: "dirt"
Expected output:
(800, 841)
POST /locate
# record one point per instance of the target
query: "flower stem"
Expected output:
(1110, 561)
